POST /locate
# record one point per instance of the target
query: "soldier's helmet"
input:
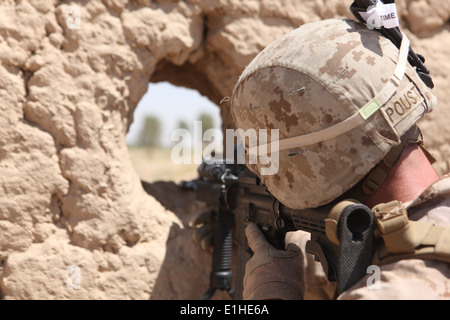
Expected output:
(341, 96)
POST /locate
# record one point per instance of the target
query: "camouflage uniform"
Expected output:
(406, 279)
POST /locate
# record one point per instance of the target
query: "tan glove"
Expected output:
(270, 273)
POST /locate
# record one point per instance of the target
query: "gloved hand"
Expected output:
(204, 230)
(271, 273)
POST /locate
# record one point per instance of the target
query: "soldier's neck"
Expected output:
(412, 174)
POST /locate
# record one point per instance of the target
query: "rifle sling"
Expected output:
(406, 239)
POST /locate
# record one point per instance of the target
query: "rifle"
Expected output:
(237, 196)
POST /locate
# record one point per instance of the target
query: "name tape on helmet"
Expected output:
(408, 100)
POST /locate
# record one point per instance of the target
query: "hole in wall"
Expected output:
(163, 111)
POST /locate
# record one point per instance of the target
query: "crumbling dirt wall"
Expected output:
(71, 75)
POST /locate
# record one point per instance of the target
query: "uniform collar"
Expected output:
(439, 188)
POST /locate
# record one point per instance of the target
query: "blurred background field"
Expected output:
(163, 109)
